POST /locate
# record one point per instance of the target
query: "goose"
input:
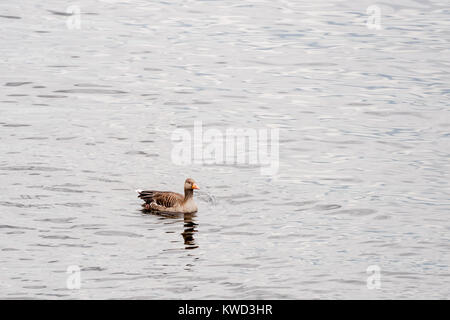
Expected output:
(166, 201)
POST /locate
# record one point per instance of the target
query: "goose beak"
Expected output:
(195, 186)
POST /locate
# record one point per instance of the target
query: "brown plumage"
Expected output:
(166, 201)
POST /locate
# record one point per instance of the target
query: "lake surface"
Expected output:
(88, 108)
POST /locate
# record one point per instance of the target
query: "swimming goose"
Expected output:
(165, 201)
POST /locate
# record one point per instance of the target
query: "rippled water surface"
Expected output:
(86, 117)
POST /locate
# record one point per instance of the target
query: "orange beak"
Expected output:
(195, 186)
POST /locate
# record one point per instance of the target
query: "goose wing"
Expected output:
(162, 198)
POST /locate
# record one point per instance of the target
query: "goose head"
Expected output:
(190, 184)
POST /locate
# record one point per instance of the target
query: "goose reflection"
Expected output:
(189, 226)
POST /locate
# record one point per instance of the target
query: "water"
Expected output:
(86, 117)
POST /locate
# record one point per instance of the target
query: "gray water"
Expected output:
(87, 114)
